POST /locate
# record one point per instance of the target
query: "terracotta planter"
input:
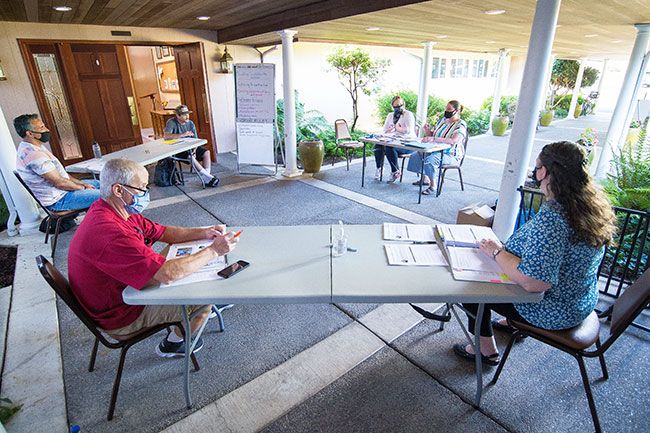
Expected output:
(500, 125)
(577, 111)
(311, 155)
(546, 117)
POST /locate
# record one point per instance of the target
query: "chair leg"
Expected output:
(590, 397)
(116, 384)
(93, 356)
(442, 180)
(460, 175)
(601, 358)
(402, 171)
(47, 228)
(334, 155)
(197, 367)
(347, 158)
(56, 236)
(513, 337)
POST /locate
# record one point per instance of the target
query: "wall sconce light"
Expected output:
(3, 77)
(226, 62)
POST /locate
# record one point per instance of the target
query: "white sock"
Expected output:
(173, 338)
(205, 175)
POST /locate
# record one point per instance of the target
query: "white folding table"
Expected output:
(294, 264)
(147, 153)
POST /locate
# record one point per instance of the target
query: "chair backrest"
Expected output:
(22, 182)
(630, 304)
(60, 285)
(465, 141)
(341, 130)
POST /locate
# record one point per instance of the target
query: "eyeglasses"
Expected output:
(143, 191)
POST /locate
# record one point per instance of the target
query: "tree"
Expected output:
(357, 72)
(563, 78)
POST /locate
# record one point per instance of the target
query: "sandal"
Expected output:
(419, 182)
(507, 329)
(492, 360)
(429, 191)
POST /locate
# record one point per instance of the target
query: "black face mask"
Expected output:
(398, 110)
(45, 136)
(536, 183)
(449, 114)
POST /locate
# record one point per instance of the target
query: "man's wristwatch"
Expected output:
(496, 252)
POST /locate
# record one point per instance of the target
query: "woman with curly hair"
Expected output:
(557, 252)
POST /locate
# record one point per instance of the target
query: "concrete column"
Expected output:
(547, 82)
(635, 97)
(523, 131)
(423, 95)
(498, 85)
(291, 168)
(617, 124)
(576, 89)
(19, 202)
(600, 82)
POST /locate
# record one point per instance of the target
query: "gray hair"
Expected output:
(119, 170)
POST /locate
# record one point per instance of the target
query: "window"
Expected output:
(459, 68)
(480, 68)
(438, 68)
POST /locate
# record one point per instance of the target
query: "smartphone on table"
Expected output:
(231, 270)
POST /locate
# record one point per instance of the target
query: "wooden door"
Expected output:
(103, 96)
(191, 82)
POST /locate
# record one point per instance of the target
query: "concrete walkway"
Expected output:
(326, 368)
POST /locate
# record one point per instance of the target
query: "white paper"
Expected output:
(408, 232)
(414, 255)
(472, 259)
(206, 273)
(465, 235)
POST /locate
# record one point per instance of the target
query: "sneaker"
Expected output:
(378, 174)
(394, 176)
(213, 182)
(167, 349)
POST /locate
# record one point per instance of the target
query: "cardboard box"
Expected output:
(476, 215)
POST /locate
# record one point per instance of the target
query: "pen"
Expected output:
(237, 234)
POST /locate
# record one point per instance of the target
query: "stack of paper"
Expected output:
(411, 253)
(206, 273)
(464, 235)
(409, 232)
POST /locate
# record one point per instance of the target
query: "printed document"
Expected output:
(206, 273)
(408, 232)
(414, 255)
(465, 235)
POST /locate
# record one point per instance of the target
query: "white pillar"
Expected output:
(423, 94)
(547, 82)
(498, 84)
(617, 124)
(523, 131)
(576, 89)
(635, 97)
(602, 77)
(291, 168)
(18, 200)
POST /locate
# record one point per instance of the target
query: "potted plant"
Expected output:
(588, 141)
(500, 124)
(577, 111)
(633, 132)
(546, 116)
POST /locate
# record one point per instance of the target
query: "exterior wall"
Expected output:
(17, 97)
(320, 89)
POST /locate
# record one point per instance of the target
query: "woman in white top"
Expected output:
(400, 121)
(450, 129)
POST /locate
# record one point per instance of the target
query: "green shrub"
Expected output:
(564, 102)
(561, 113)
(4, 213)
(506, 101)
(328, 138)
(435, 106)
(308, 123)
(477, 121)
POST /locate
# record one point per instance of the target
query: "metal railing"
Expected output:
(625, 260)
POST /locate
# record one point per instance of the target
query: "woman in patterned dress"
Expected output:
(557, 252)
(450, 129)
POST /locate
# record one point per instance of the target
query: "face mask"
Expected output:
(140, 202)
(397, 110)
(45, 136)
(449, 114)
(536, 183)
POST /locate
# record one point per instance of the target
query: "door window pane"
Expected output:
(58, 105)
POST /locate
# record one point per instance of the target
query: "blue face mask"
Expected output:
(140, 202)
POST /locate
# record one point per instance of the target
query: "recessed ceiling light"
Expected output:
(495, 12)
(372, 29)
(490, 42)
(203, 18)
(617, 41)
(592, 35)
(62, 8)
(442, 36)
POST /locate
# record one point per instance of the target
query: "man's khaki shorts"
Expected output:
(154, 315)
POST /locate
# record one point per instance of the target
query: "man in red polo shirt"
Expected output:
(112, 249)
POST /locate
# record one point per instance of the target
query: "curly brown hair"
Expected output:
(588, 210)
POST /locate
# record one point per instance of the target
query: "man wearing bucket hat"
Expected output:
(181, 127)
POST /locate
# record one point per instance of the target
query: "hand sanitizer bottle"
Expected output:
(340, 241)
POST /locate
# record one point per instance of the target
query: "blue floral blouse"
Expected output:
(548, 254)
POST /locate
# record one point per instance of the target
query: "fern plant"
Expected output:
(629, 186)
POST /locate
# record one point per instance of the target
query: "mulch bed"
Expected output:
(7, 265)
